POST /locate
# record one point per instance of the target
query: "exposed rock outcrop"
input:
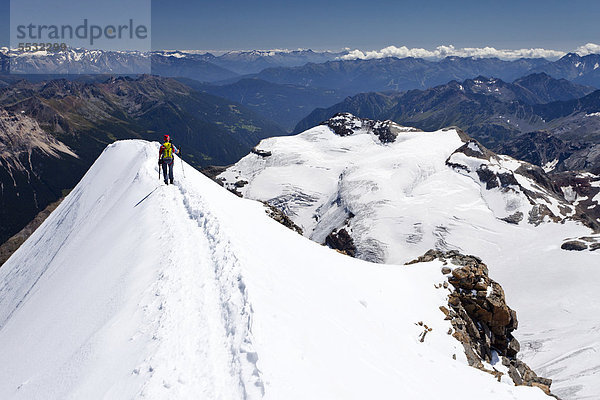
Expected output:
(528, 192)
(342, 241)
(261, 153)
(481, 319)
(514, 218)
(591, 243)
(345, 124)
(583, 190)
(212, 171)
(20, 136)
(280, 217)
(34, 168)
(574, 245)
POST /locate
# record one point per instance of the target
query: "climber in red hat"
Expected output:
(165, 157)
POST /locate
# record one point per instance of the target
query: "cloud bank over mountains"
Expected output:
(477, 52)
(590, 48)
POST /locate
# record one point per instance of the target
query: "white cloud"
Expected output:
(589, 48)
(450, 50)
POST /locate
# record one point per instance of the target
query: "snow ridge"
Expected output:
(236, 310)
(174, 313)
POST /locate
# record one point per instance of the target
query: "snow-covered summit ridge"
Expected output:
(514, 191)
(132, 289)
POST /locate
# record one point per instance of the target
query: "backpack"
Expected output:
(167, 150)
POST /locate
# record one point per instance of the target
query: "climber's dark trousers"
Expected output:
(167, 165)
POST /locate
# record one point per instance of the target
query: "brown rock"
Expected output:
(514, 375)
(453, 300)
(460, 273)
(280, 217)
(444, 310)
(545, 388)
(484, 323)
(482, 284)
(513, 348)
(514, 323)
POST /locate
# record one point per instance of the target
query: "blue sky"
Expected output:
(335, 24)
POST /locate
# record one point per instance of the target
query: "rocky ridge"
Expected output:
(21, 135)
(344, 124)
(528, 191)
(481, 320)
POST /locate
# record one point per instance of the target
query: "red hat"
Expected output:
(167, 138)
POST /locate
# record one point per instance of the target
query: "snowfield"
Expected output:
(397, 200)
(132, 289)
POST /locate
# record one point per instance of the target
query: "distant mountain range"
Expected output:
(190, 66)
(416, 73)
(202, 66)
(492, 111)
(207, 67)
(580, 69)
(284, 94)
(248, 62)
(396, 74)
(285, 86)
(303, 67)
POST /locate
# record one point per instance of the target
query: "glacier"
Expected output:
(400, 198)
